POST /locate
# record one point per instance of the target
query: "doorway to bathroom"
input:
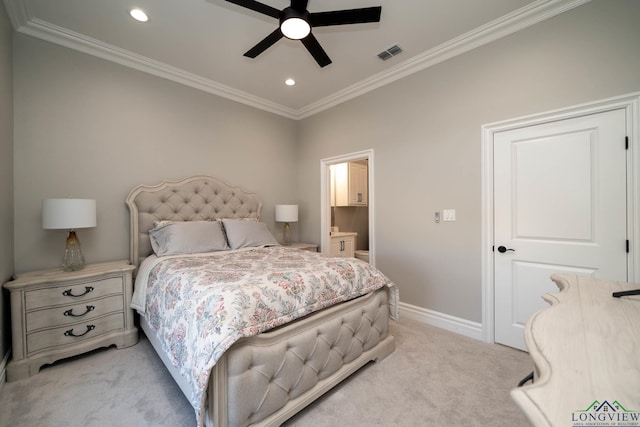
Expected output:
(347, 224)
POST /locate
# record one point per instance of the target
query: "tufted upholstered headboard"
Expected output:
(196, 198)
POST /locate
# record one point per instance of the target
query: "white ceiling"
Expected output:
(201, 43)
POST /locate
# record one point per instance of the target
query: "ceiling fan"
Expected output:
(296, 23)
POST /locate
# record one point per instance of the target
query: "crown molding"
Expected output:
(494, 30)
(23, 22)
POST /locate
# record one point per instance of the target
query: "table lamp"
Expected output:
(69, 214)
(286, 214)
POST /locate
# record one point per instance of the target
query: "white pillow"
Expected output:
(188, 237)
(241, 234)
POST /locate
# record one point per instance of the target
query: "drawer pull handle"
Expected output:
(70, 333)
(69, 293)
(70, 312)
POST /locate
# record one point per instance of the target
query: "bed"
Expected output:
(264, 373)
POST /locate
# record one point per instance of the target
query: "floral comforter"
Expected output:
(199, 305)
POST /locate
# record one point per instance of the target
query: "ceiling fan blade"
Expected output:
(257, 7)
(299, 4)
(342, 17)
(264, 44)
(314, 48)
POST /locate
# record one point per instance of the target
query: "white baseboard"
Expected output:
(450, 323)
(3, 369)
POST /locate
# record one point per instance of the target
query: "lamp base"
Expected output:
(73, 259)
(286, 235)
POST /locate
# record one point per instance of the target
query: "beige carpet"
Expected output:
(434, 378)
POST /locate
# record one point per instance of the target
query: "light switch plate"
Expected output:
(449, 215)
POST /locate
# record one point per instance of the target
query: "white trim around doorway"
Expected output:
(325, 202)
(631, 104)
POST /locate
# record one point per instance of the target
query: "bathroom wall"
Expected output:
(353, 218)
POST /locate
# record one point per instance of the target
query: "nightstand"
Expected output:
(57, 314)
(305, 246)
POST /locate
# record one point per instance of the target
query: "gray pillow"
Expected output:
(188, 237)
(241, 234)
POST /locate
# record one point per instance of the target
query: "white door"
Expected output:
(559, 206)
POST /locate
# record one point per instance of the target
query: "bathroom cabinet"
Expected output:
(343, 244)
(349, 184)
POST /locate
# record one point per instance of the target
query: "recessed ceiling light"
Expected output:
(138, 15)
(289, 82)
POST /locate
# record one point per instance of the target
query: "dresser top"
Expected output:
(59, 275)
(586, 349)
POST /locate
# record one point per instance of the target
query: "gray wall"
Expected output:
(88, 128)
(425, 131)
(84, 127)
(6, 174)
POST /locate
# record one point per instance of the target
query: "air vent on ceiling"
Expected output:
(390, 52)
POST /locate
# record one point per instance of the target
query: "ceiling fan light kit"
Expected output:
(296, 23)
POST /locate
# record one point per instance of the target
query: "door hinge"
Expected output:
(627, 245)
(626, 142)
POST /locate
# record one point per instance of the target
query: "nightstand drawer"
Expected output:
(68, 314)
(73, 293)
(69, 334)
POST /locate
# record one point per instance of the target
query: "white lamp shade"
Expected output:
(68, 213)
(286, 213)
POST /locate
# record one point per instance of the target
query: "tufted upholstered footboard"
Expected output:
(266, 379)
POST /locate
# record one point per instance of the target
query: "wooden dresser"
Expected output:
(586, 353)
(57, 314)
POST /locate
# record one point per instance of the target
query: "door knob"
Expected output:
(502, 249)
